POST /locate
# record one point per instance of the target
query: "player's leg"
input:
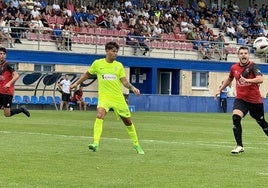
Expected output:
(132, 134)
(8, 112)
(257, 112)
(239, 111)
(121, 110)
(101, 113)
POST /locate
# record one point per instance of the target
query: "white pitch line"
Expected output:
(200, 143)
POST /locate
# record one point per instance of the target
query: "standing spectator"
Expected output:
(110, 94)
(248, 99)
(67, 36)
(7, 83)
(64, 86)
(223, 99)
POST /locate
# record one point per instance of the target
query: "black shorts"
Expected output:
(5, 100)
(256, 110)
(65, 97)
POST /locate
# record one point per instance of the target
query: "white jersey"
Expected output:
(65, 85)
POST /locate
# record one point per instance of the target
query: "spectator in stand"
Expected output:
(6, 31)
(184, 25)
(29, 6)
(22, 7)
(117, 20)
(78, 99)
(70, 6)
(141, 40)
(230, 30)
(91, 19)
(12, 10)
(64, 10)
(102, 20)
(202, 7)
(83, 17)
(57, 36)
(131, 39)
(157, 32)
(35, 12)
(220, 49)
(90, 6)
(56, 8)
(199, 45)
(67, 36)
(192, 34)
(167, 24)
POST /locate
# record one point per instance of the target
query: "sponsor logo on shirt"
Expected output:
(109, 77)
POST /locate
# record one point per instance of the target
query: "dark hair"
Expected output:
(111, 45)
(243, 48)
(2, 49)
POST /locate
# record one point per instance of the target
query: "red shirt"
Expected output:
(248, 92)
(6, 74)
(77, 95)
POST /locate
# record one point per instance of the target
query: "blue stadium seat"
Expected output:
(17, 100)
(94, 101)
(88, 100)
(42, 100)
(50, 100)
(57, 99)
(34, 100)
(26, 99)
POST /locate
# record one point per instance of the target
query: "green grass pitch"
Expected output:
(49, 149)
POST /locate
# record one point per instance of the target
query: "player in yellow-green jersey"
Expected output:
(111, 76)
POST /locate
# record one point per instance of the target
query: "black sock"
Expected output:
(264, 125)
(15, 111)
(237, 129)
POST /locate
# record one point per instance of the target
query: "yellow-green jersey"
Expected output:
(109, 75)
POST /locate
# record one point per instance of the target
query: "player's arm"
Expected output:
(129, 86)
(15, 77)
(82, 78)
(258, 78)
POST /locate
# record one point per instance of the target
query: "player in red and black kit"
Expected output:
(8, 77)
(248, 99)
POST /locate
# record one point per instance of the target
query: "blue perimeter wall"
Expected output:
(172, 103)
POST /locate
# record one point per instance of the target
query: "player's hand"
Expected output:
(216, 94)
(242, 80)
(74, 85)
(136, 91)
(7, 86)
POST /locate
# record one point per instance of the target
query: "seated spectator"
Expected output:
(142, 43)
(132, 40)
(35, 12)
(117, 20)
(202, 47)
(78, 99)
(220, 49)
(91, 19)
(57, 36)
(157, 32)
(56, 8)
(102, 20)
(230, 31)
